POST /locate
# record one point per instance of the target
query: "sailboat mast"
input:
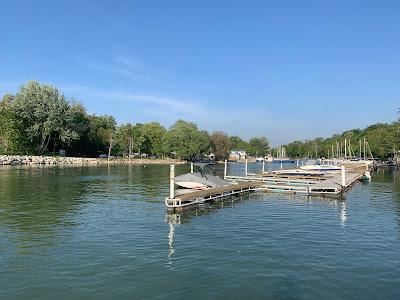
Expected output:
(365, 149)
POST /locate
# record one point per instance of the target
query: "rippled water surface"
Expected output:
(103, 233)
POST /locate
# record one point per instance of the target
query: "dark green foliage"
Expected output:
(258, 146)
(185, 141)
(39, 119)
(220, 145)
(382, 139)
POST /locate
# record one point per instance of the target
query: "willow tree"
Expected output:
(46, 115)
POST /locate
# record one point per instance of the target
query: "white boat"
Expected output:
(321, 168)
(199, 181)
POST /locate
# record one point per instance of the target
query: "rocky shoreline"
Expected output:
(53, 160)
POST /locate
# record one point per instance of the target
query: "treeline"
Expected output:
(382, 140)
(39, 119)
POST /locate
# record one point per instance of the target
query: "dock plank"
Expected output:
(336, 181)
(219, 190)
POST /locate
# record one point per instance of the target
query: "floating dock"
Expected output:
(313, 184)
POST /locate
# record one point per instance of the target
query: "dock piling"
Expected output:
(343, 172)
(191, 167)
(263, 169)
(245, 167)
(172, 182)
(225, 168)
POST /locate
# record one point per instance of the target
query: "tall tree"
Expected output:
(186, 141)
(11, 129)
(220, 144)
(236, 143)
(46, 115)
(153, 136)
(258, 146)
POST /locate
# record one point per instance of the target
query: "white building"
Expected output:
(237, 155)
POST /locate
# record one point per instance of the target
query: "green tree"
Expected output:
(11, 129)
(186, 141)
(96, 137)
(236, 143)
(153, 134)
(45, 114)
(258, 146)
(124, 139)
(220, 144)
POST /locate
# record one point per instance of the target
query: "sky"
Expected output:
(287, 70)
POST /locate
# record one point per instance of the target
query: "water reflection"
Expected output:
(322, 207)
(34, 203)
(171, 236)
(343, 214)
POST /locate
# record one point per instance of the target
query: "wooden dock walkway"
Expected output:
(200, 197)
(329, 184)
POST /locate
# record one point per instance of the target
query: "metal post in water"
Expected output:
(281, 165)
(343, 171)
(297, 163)
(191, 167)
(245, 167)
(263, 165)
(225, 168)
(172, 182)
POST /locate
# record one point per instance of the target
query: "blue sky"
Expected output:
(282, 69)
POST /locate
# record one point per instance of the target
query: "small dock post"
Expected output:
(281, 165)
(245, 167)
(297, 163)
(172, 182)
(343, 171)
(263, 166)
(191, 167)
(225, 168)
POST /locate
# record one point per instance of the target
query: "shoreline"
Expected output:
(18, 160)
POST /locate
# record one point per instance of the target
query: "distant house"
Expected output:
(237, 155)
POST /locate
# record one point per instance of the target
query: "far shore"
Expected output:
(7, 160)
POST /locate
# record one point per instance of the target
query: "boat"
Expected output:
(321, 168)
(283, 160)
(259, 159)
(199, 181)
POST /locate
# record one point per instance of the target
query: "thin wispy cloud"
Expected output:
(118, 65)
(155, 104)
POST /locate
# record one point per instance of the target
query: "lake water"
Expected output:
(103, 233)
